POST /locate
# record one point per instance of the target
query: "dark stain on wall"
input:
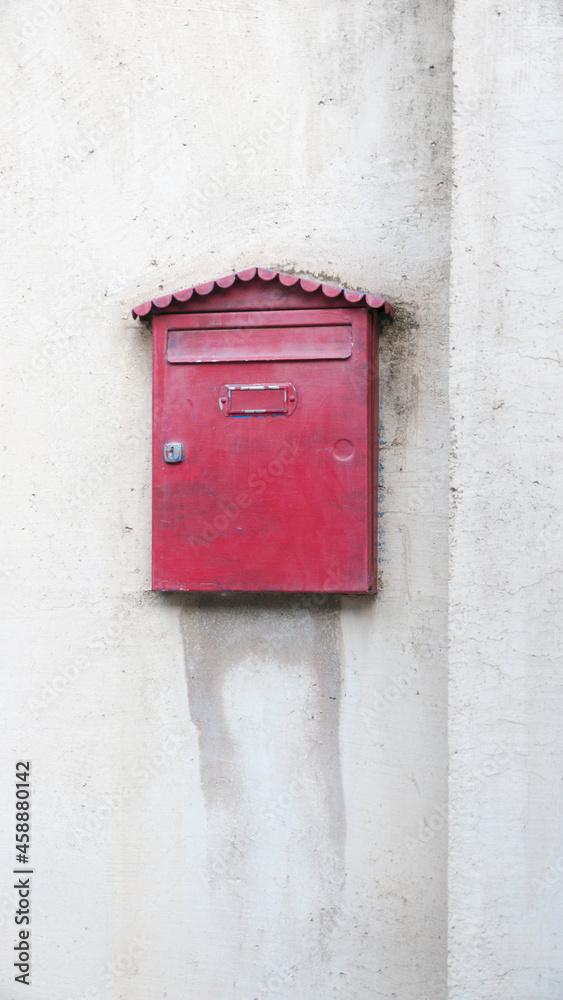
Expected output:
(220, 632)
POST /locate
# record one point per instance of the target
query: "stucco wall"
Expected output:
(231, 798)
(506, 879)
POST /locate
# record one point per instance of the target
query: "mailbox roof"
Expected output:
(307, 284)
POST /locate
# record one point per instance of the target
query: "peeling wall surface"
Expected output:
(243, 797)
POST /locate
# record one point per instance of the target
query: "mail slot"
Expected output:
(259, 343)
(264, 436)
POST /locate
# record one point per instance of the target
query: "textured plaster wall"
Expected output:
(231, 798)
(506, 880)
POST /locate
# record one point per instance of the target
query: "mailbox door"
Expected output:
(264, 451)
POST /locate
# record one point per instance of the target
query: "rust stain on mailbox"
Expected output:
(281, 495)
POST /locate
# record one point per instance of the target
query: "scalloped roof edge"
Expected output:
(307, 284)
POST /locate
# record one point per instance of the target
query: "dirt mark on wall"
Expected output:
(264, 684)
(399, 381)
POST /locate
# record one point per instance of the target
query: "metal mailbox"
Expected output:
(265, 395)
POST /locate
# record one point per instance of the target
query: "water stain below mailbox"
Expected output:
(264, 683)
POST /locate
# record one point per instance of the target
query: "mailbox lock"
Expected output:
(173, 451)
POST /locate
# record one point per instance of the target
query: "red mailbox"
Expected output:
(265, 436)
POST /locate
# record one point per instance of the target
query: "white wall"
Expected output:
(148, 147)
(506, 864)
